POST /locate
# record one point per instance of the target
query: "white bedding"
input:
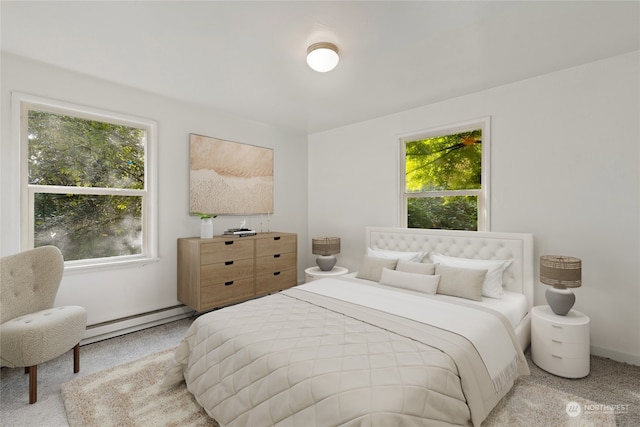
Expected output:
(307, 356)
(513, 305)
(492, 341)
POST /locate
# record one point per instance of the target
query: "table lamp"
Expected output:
(326, 247)
(561, 273)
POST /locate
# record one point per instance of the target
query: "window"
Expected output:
(444, 175)
(87, 182)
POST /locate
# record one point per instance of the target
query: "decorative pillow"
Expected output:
(460, 282)
(371, 267)
(492, 286)
(405, 256)
(416, 267)
(424, 283)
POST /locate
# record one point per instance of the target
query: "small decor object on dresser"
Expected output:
(560, 344)
(206, 224)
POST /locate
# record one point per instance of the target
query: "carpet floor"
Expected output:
(612, 384)
(129, 395)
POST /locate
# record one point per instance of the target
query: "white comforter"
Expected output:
(312, 356)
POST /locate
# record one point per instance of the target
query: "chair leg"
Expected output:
(33, 374)
(76, 358)
(33, 383)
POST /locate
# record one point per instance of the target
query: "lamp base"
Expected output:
(326, 262)
(560, 300)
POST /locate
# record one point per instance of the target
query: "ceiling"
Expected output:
(248, 58)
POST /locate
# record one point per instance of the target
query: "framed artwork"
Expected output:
(229, 178)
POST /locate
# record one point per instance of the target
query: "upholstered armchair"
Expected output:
(32, 331)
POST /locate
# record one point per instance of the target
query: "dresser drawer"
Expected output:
(273, 282)
(563, 333)
(225, 271)
(225, 250)
(220, 293)
(570, 367)
(275, 263)
(277, 244)
(558, 348)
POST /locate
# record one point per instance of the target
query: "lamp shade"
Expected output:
(323, 56)
(325, 245)
(561, 271)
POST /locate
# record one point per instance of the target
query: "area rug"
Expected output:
(129, 395)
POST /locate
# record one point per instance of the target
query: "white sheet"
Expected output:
(487, 333)
(512, 305)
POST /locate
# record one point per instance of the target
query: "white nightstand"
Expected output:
(560, 344)
(314, 273)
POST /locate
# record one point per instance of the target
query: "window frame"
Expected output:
(483, 194)
(21, 104)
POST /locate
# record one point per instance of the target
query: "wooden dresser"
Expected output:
(225, 270)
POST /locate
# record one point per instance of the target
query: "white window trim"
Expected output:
(21, 102)
(484, 194)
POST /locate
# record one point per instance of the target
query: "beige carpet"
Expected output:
(129, 395)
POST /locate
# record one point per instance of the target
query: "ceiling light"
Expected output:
(323, 56)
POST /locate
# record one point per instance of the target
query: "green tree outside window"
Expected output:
(84, 175)
(443, 181)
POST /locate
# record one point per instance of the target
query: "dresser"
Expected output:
(560, 344)
(228, 269)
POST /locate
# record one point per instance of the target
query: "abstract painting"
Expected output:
(229, 178)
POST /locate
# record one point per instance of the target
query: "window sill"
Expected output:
(87, 266)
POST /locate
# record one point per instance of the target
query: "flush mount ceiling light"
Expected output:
(322, 57)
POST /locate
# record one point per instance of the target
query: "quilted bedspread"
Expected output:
(300, 359)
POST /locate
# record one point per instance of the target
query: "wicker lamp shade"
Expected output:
(561, 273)
(325, 245)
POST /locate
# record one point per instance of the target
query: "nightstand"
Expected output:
(314, 273)
(560, 344)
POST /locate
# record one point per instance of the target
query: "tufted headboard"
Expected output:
(467, 244)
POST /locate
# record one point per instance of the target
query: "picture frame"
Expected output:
(229, 178)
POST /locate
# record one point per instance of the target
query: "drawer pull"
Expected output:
(556, 356)
(228, 283)
(556, 326)
(277, 273)
(229, 242)
(228, 262)
(276, 238)
(557, 341)
(276, 256)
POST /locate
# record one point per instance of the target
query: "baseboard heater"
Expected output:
(137, 322)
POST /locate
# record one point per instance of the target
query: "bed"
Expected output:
(378, 347)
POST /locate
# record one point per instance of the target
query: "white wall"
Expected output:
(113, 294)
(565, 167)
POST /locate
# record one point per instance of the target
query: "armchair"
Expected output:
(32, 331)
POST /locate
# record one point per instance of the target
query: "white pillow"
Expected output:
(424, 283)
(416, 267)
(405, 256)
(492, 285)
